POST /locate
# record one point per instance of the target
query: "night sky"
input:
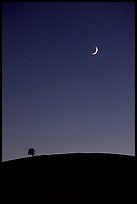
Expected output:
(58, 97)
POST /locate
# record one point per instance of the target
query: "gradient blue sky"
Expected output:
(57, 97)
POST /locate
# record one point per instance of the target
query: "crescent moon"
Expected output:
(96, 51)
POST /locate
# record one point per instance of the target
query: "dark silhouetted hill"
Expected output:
(70, 177)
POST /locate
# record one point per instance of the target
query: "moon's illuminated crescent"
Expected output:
(96, 51)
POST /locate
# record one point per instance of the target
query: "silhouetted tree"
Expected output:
(31, 151)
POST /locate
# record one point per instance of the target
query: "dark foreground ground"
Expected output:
(70, 177)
